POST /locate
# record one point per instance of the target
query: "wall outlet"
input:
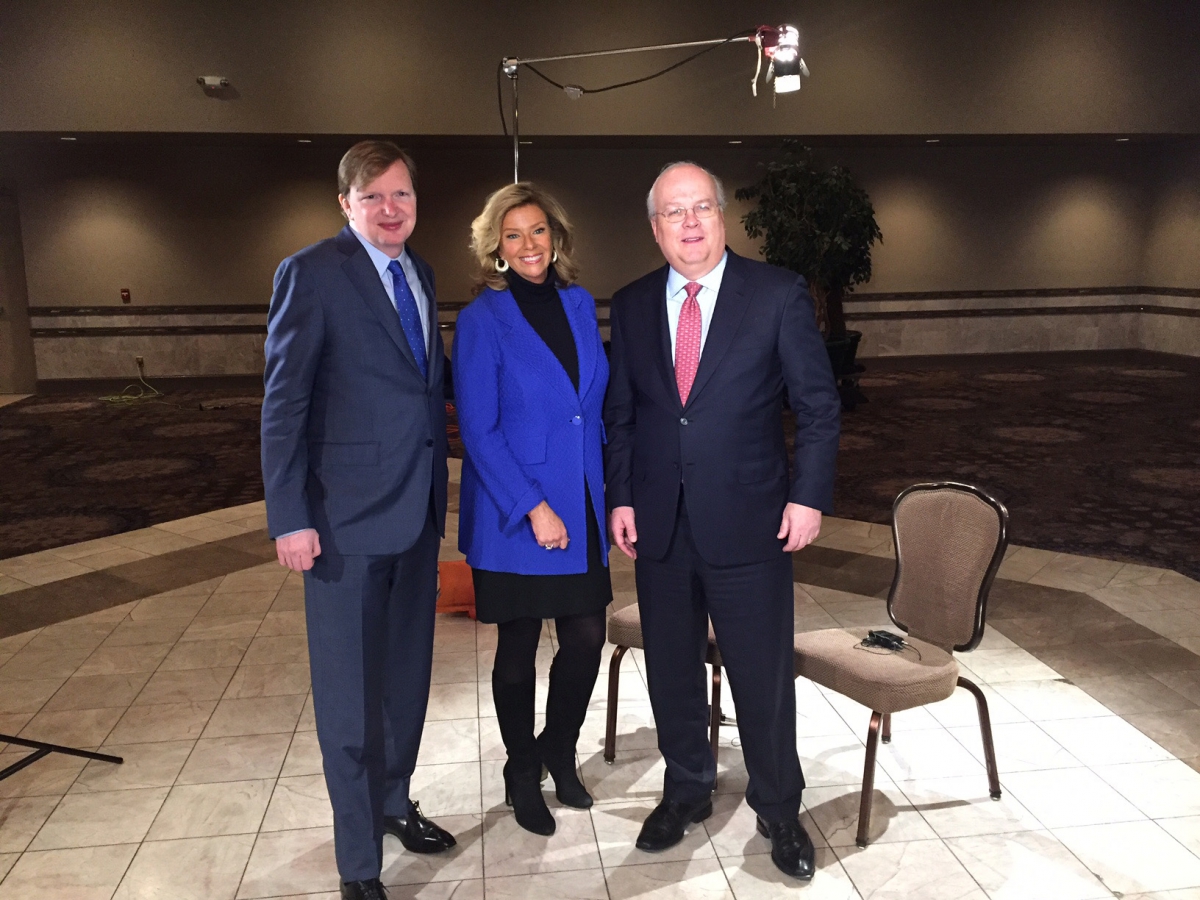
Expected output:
(126, 297)
(141, 363)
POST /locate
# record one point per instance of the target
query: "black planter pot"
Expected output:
(842, 352)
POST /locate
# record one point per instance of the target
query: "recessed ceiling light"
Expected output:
(735, 142)
(526, 142)
(933, 140)
(68, 139)
(1122, 140)
(303, 140)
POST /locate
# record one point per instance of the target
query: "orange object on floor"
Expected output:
(456, 589)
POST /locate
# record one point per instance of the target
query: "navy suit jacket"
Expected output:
(529, 435)
(353, 438)
(726, 446)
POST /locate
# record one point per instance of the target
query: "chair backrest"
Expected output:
(950, 540)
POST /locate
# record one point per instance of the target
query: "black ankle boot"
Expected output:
(523, 792)
(561, 765)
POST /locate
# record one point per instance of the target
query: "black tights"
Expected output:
(572, 677)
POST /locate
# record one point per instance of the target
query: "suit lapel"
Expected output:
(365, 278)
(660, 332)
(432, 347)
(583, 330)
(732, 301)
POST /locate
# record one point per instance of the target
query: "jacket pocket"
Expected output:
(760, 470)
(357, 454)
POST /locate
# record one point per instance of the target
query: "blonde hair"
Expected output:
(485, 233)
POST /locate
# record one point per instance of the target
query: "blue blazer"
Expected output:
(528, 435)
(353, 438)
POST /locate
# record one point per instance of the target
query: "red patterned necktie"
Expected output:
(687, 342)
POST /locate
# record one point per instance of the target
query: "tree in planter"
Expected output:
(816, 222)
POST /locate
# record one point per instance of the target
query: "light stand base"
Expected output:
(41, 749)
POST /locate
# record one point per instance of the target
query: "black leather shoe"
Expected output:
(417, 833)
(664, 827)
(363, 890)
(791, 848)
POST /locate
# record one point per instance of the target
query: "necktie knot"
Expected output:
(693, 289)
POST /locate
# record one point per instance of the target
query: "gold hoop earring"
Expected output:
(501, 265)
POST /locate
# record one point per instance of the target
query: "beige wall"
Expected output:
(196, 225)
(17, 371)
(426, 67)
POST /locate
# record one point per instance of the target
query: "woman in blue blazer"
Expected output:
(530, 375)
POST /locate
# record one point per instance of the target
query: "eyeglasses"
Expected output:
(705, 210)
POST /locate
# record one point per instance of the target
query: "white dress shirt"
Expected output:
(381, 260)
(710, 285)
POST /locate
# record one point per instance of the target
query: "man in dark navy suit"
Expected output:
(697, 481)
(354, 465)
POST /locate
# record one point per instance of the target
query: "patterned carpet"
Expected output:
(1095, 454)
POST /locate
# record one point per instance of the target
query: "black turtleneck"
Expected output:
(543, 309)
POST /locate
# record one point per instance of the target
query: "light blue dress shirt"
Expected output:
(710, 286)
(380, 260)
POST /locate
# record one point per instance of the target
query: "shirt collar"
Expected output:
(379, 259)
(712, 281)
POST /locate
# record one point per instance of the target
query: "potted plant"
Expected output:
(818, 222)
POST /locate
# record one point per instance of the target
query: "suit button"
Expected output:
(578, 420)
(683, 421)
(429, 443)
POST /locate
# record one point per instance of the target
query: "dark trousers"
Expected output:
(751, 608)
(370, 643)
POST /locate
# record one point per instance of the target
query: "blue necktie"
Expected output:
(410, 319)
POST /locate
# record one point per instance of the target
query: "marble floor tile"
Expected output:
(698, 879)
(132, 632)
(1178, 732)
(449, 789)
(300, 801)
(917, 870)
(90, 820)
(1020, 747)
(185, 686)
(290, 862)
(149, 765)
(72, 727)
(256, 715)
(464, 862)
(277, 650)
(962, 807)
(29, 696)
(169, 606)
(634, 775)
(242, 758)
(275, 680)
(52, 775)
(1160, 862)
(1062, 798)
(913, 755)
(588, 884)
(73, 634)
(1104, 741)
(1167, 788)
(453, 668)
(31, 665)
(1043, 701)
(893, 818)
(98, 691)
(304, 755)
(999, 666)
(21, 818)
(1022, 563)
(164, 722)
(617, 825)
(196, 869)
(124, 660)
(205, 654)
(282, 622)
(1128, 694)
(454, 701)
(218, 628)
(7, 860)
(85, 873)
(449, 741)
(1031, 865)
(510, 850)
(249, 603)
(1186, 830)
(1076, 573)
(731, 828)
(204, 810)
(830, 760)
(635, 730)
(754, 877)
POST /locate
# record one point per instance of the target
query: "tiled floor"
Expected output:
(193, 667)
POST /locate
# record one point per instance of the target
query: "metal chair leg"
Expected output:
(610, 731)
(985, 728)
(714, 711)
(886, 736)
(868, 782)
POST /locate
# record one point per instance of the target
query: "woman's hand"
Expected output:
(548, 528)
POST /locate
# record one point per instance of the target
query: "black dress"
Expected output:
(503, 596)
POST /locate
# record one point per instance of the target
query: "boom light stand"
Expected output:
(41, 749)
